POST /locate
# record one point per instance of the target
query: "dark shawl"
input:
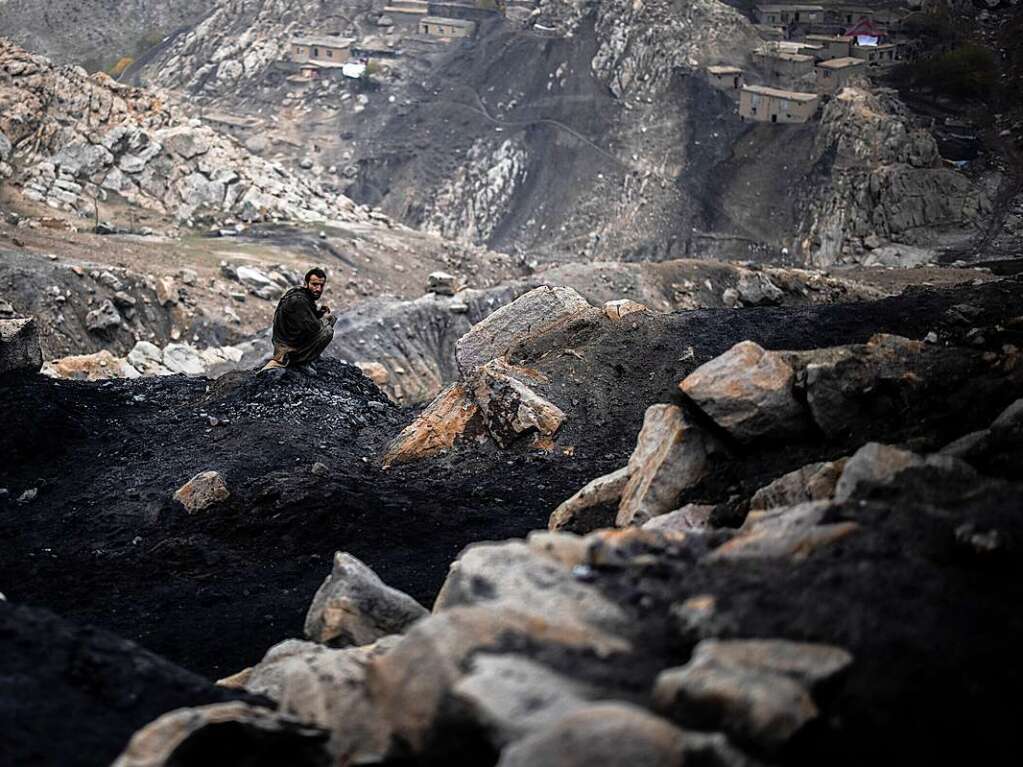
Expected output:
(297, 320)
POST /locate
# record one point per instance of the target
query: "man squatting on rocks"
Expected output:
(301, 329)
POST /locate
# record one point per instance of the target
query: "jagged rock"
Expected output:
(622, 308)
(756, 289)
(354, 607)
(166, 291)
(749, 392)
(442, 283)
(184, 359)
(510, 408)
(147, 358)
(449, 418)
(123, 301)
(413, 682)
(510, 696)
(253, 278)
(203, 735)
(807, 663)
(326, 688)
(514, 575)
(813, 482)
(875, 464)
(5, 148)
(184, 141)
(539, 311)
(671, 455)
(691, 517)
(202, 491)
(103, 318)
(91, 367)
(600, 735)
(592, 507)
(375, 372)
(19, 346)
(788, 532)
(82, 159)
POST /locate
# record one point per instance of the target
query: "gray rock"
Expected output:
(326, 688)
(184, 141)
(753, 706)
(601, 735)
(814, 482)
(592, 507)
(510, 696)
(103, 318)
(692, 517)
(202, 491)
(354, 607)
(82, 159)
(5, 148)
(184, 359)
(749, 392)
(510, 408)
(512, 574)
(442, 283)
(534, 314)
(794, 532)
(875, 464)
(756, 289)
(197, 191)
(808, 663)
(671, 455)
(19, 346)
(253, 278)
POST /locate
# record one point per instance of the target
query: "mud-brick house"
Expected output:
(772, 105)
(784, 15)
(779, 65)
(834, 74)
(321, 50)
(441, 26)
(725, 78)
(832, 46)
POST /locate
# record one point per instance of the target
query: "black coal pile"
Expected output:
(907, 569)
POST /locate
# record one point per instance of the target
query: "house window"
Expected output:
(316, 52)
(330, 54)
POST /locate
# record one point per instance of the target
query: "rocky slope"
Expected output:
(70, 139)
(95, 34)
(561, 637)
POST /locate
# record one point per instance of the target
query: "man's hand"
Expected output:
(323, 310)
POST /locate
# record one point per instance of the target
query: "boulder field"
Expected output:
(774, 535)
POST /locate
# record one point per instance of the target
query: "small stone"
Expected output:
(202, 491)
(319, 470)
(29, 495)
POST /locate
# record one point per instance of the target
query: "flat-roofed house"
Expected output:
(406, 14)
(440, 26)
(782, 65)
(725, 78)
(769, 33)
(783, 15)
(321, 50)
(832, 46)
(834, 74)
(763, 104)
(877, 55)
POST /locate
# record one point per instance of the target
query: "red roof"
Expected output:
(864, 27)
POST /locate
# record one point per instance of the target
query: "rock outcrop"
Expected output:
(19, 346)
(887, 184)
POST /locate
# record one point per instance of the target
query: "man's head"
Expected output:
(315, 279)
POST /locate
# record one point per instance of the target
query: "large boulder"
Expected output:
(671, 455)
(184, 359)
(540, 311)
(205, 735)
(91, 367)
(413, 684)
(19, 346)
(601, 735)
(876, 464)
(184, 141)
(355, 607)
(326, 688)
(749, 392)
